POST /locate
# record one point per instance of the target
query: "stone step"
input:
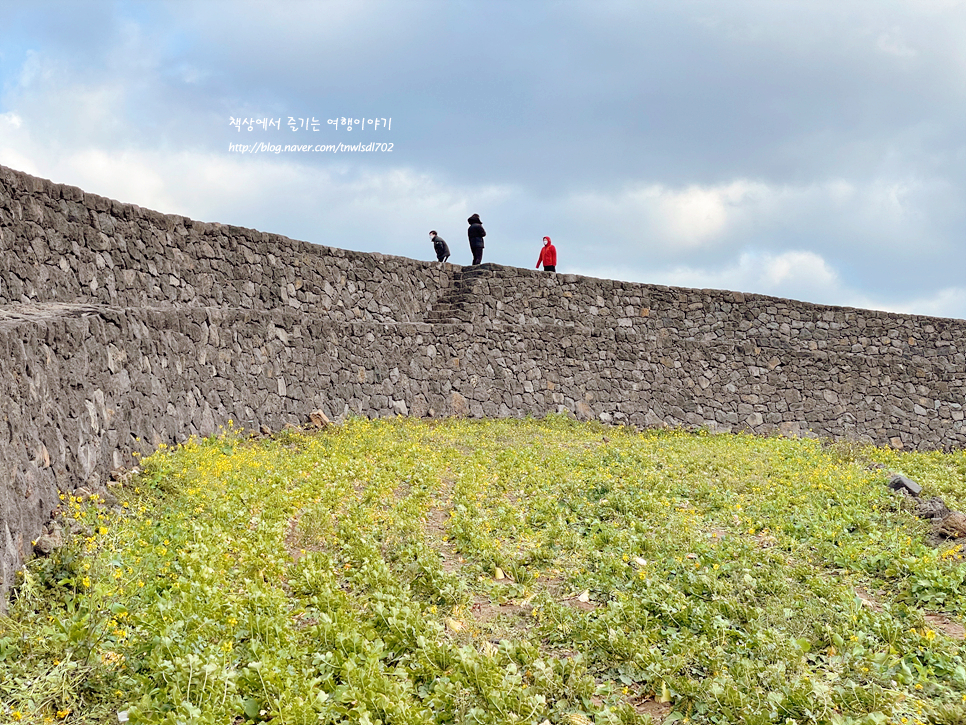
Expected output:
(473, 274)
(454, 310)
(458, 300)
(445, 319)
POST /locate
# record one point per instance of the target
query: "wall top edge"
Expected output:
(22, 181)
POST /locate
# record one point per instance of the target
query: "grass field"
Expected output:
(497, 572)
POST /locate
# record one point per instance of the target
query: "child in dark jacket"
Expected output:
(439, 246)
(476, 232)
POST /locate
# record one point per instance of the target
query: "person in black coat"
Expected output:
(439, 246)
(476, 232)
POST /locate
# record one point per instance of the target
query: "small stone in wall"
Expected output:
(52, 539)
(318, 419)
(77, 528)
(105, 497)
(458, 404)
(790, 429)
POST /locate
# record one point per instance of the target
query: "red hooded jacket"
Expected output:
(548, 255)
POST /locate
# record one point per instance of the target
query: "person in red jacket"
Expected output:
(548, 256)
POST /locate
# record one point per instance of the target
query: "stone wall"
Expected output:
(61, 244)
(122, 328)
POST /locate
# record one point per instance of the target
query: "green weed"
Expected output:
(496, 572)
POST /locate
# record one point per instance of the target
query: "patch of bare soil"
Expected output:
(435, 523)
(450, 562)
(766, 540)
(486, 612)
(401, 491)
(657, 710)
(867, 600)
(299, 542)
(947, 626)
(582, 606)
(293, 542)
(937, 620)
(493, 621)
(435, 527)
(645, 704)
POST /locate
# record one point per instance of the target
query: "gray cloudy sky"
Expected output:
(809, 149)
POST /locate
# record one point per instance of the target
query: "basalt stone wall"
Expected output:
(521, 297)
(61, 244)
(121, 329)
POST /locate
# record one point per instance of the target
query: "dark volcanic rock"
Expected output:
(901, 483)
(953, 526)
(932, 509)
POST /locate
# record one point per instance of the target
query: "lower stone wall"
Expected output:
(84, 387)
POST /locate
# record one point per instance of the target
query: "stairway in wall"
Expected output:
(460, 302)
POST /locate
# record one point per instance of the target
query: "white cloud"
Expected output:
(892, 44)
(897, 217)
(10, 120)
(12, 151)
(698, 214)
(795, 274)
(389, 211)
(798, 274)
(947, 302)
(689, 218)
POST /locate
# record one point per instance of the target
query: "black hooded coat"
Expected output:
(476, 232)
